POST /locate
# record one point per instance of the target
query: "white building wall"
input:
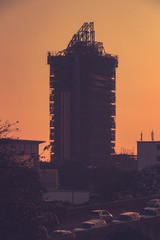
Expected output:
(74, 197)
(148, 153)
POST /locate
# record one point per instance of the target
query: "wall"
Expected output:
(74, 197)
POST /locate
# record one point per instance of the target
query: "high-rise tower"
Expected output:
(82, 100)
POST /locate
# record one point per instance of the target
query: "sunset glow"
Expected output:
(129, 29)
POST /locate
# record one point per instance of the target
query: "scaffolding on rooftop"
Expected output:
(83, 41)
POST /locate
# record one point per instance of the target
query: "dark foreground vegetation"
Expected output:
(21, 216)
(111, 183)
(22, 213)
(128, 234)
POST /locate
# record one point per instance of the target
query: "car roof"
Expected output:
(62, 231)
(155, 199)
(129, 213)
(94, 221)
(87, 222)
(150, 208)
(98, 210)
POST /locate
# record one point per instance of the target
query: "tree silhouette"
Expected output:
(21, 196)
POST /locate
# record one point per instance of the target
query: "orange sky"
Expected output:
(128, 28)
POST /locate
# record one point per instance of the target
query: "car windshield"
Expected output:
(153, 203)
(87, 225)
(124, 217)
(148, 212)
(56, 233)
(94, 214)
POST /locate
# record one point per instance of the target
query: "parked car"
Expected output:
(61, 235)
(155, 203)
(90, 224)
(150, 212)
(101, 214)
(126, 217)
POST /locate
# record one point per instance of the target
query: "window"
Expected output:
(158, 158)
(158, 146)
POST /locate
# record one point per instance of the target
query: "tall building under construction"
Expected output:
(82, 100)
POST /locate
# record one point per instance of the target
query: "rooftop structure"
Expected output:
(82, 100)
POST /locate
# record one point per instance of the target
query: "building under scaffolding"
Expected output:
(82, 100)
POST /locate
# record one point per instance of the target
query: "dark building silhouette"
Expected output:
(82, 100)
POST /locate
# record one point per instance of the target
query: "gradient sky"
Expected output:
(127, 28)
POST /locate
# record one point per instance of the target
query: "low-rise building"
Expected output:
(24, 149)
(148, 153)
(125, 162)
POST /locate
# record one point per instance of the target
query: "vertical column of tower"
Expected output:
(113, 107)
(52, 107)
(76, 107)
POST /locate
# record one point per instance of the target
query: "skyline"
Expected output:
(127, 29)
